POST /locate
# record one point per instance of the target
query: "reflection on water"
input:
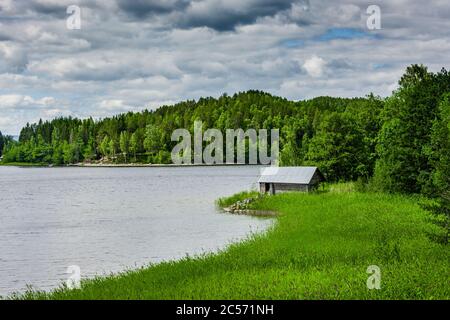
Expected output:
(111, 219)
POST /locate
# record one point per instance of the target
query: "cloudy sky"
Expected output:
(131, 55)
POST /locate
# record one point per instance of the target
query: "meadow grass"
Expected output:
(319, 248)
(228, 201)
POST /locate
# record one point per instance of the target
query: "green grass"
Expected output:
(228, 201)
(319, 248)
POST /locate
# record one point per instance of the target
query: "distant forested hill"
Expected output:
(403, 139)
(146, 136)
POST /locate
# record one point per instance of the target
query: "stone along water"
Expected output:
(112, 219)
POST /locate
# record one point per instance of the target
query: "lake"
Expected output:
(112, 219)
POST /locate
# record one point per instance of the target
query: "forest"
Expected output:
(399, 144)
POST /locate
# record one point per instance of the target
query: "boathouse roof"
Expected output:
(291, 175)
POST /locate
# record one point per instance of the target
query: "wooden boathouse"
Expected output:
(283, 179)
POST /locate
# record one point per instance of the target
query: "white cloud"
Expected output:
(19, 109)
(13, 58)
(6, 5)
(315, 66)
(114, 105)
(17, 101)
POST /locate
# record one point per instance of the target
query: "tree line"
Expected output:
(400, 143)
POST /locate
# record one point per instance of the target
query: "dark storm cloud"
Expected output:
(144, 8)
(23, 9)
(4, 37)
(221, 15)
(54, 9)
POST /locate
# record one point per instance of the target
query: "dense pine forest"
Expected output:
(400, 143)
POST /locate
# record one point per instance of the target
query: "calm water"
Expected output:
(111, 219)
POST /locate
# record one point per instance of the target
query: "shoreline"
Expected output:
(124, 165)
(153, 165)
(24, 164)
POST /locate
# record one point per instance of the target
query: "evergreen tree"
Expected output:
(338, 148)
(2, 143)
(408, 118)
(439, 149)
(90, 152)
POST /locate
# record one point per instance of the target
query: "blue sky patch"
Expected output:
(345, 34)
(378, 66)
(292, 43)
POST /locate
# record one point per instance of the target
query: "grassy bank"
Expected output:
(228, 201)
(319, 248)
